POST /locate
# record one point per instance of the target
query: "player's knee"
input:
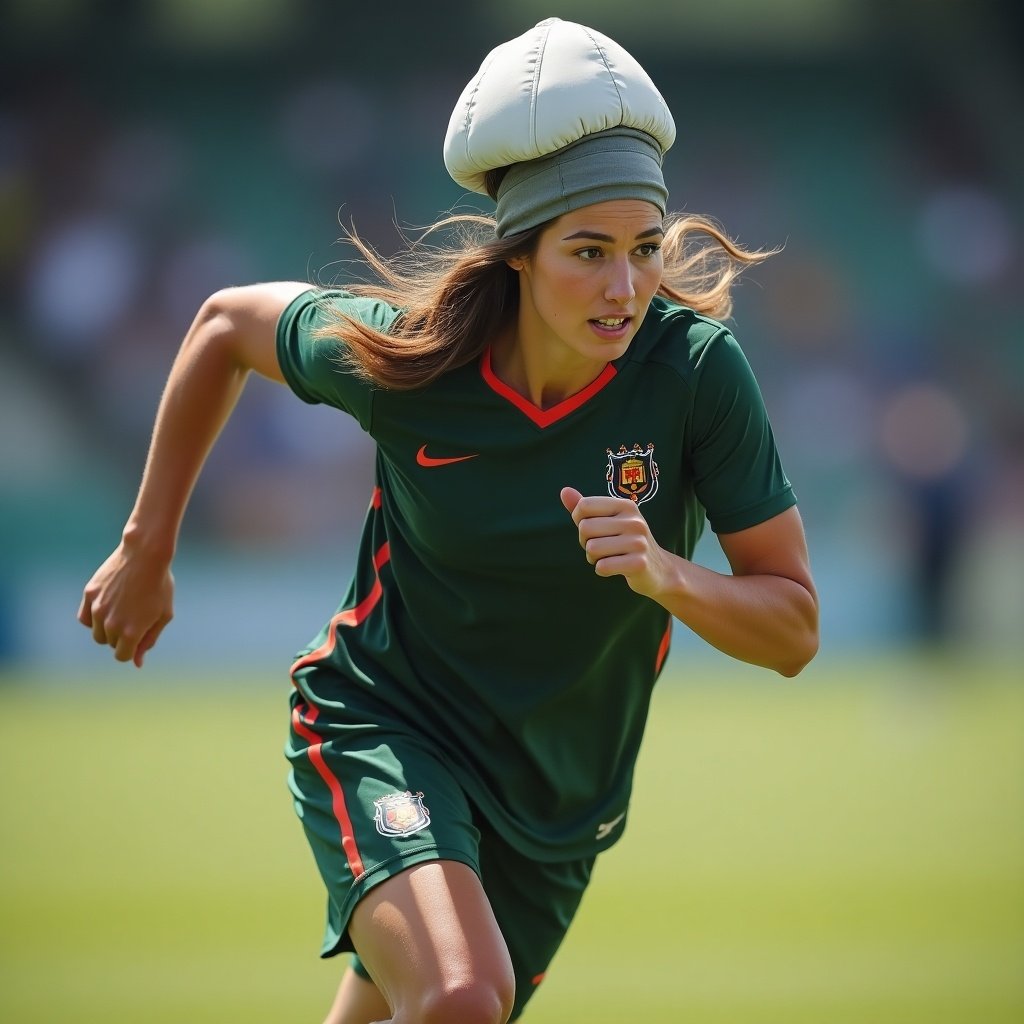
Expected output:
(486, 1000)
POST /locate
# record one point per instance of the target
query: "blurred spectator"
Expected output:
(923, 433)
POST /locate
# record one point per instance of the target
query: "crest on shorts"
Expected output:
(632, 473)
(400, 814)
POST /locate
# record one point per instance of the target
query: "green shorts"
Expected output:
(375, 799)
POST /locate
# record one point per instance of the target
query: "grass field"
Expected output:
(844, 847)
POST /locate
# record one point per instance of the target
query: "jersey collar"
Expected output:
(543, 417)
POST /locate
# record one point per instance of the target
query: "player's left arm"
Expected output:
(765, 613)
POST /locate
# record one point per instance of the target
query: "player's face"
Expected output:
(585, 290)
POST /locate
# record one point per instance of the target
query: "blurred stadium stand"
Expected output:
(151, 153)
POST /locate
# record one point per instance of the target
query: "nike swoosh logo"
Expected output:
(425, 460)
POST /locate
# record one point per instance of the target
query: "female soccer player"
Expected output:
(464, 729)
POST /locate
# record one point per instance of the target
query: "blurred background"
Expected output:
(154, 151)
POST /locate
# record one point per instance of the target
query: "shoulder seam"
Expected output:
(719, 330)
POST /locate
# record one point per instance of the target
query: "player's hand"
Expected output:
(618, 541)
(127, 603)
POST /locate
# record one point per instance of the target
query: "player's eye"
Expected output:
(591, 253)
(648, 249)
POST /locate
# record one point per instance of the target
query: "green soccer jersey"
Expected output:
(474, 616)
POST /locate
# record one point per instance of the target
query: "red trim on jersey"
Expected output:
(375, 498)
(666, 641)
(538, 978)
(350, 616)
(338, 805)
(543, 417)
(353, 616)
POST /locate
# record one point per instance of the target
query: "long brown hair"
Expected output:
(456, 296)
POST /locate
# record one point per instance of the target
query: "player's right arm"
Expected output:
(130, 598)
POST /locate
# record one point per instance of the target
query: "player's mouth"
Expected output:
(612, 326)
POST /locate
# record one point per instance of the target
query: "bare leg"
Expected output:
(429, 939)
(358, 1002)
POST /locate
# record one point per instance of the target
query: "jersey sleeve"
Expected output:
(738, 475)
(312, 364)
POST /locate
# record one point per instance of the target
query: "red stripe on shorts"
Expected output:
(303, 713)
(338, 804)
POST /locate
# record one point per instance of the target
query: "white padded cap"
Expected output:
(544, 90)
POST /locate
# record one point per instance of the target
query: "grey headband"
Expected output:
(619, 163)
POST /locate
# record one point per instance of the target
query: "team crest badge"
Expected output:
(401, 814)
(632, 473)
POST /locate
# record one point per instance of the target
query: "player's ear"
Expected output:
(516, 262)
